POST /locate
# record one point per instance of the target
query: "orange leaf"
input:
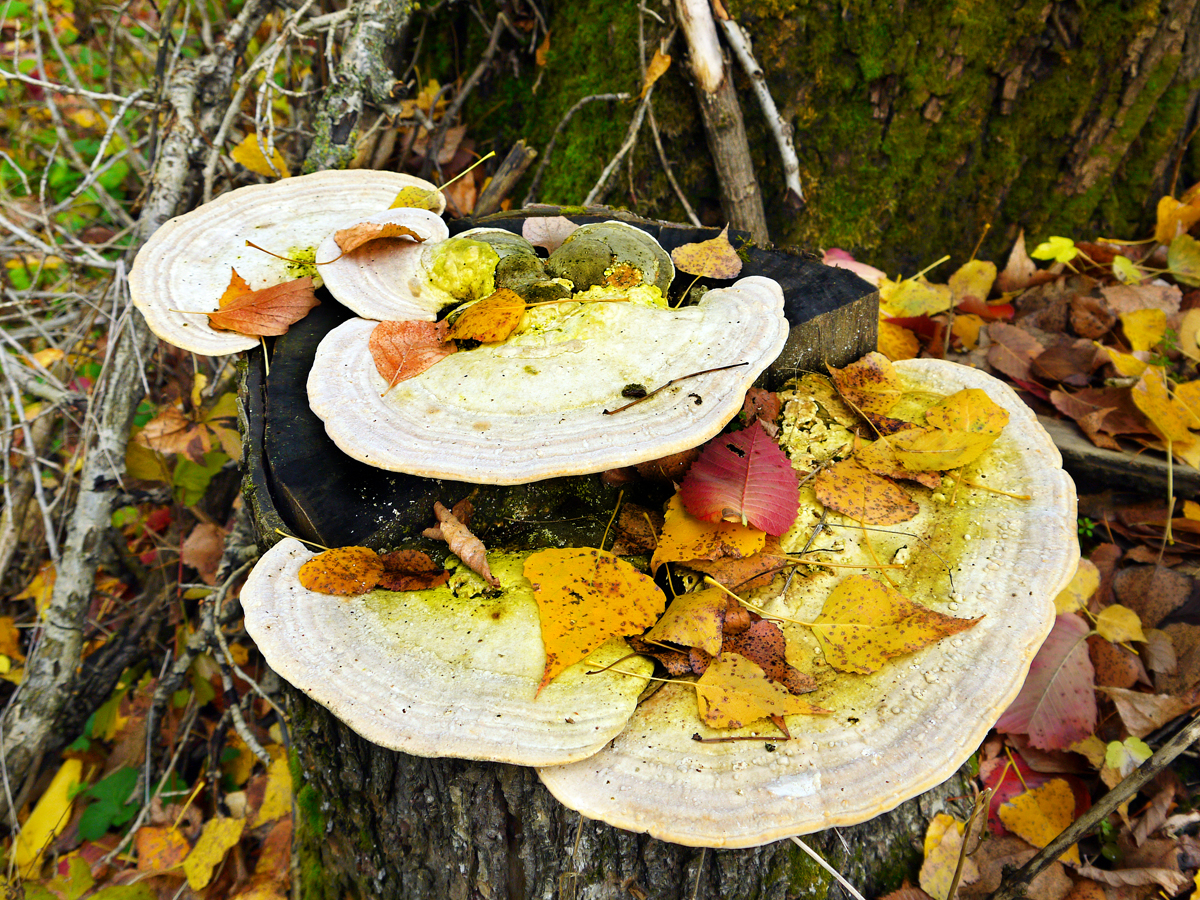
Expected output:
(897, 342)
(269, 311)
(345, 571)
(849, 488)
(490, 320)
(403, 350)
(237, 287)
(160, 847)
(585, 597)
(693, 620)
(350, 239)
(734, 691)
(655, 70)
(871, 385)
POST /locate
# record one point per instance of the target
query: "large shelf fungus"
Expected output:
(534, 406)
(184, 268)
(452, 671)
(894, 733)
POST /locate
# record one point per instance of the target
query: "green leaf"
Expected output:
(1125, 271)
(109, 809)
(1058, 249)
(1183, 259)
(192, 480)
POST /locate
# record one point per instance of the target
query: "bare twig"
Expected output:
(558, 129)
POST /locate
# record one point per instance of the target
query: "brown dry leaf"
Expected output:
(350, 239)
(1090, 316)
(851, 489)
(539, 56)
(937, 449)
(764, 645)
(693, 620)
(1168, 418)
(864, 623)
(1069, 362)
(871, 385)
(943, 846)
(410, 570)
(1143, 713)
(1114, 665)
(714, 258)
(684, 537)
(747, 573)
(1013, 350)
(879, 457)
(463, 544)
(655, 69)
(170, 431)
(1019, 270)
(997, 854)
(1171, 880)
(1159, 653)
(1128, 297)
(490, 320)
(1041, 814)
(1153, 592)
(402, 350)
(203, 550)
(343, 571)
(268, 312)
(734, 691)
(585, 597)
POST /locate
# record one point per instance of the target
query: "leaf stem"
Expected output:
(663, 387)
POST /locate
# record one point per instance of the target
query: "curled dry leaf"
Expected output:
(350, 239)
(463, 544)
(655, 70)
(402, 350)
(849, 488)
(267, 312)
(491, 320)
(714, 258)
(734, 691)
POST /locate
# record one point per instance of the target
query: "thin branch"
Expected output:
(579, 104)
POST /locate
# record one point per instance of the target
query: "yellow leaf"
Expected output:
(865, 623)
(915, 297)
(1144, 327)
(238, 768)
(1076, 594)
(48, 357)
(40, 588)
(937, 449)
(48, 819)
(871, 385)
(1174, 218)
(734, 691)
(277, 801)
(1167, 417)
(490, 320)
(654, 71)
(685, 537)
(160, 847)
(966, 330)
(693, 620)
(968, 410)
(543, 49)
(973, 279)
(414, 197)
(145, 464)
(1189, 334)
(1188, 396)
(851, 489)
(1191, 510)
(586, 596)
(249, 154)
(714, 258)
(1040, 815)
(1118, 623)
(943, 844)
(237, 287)
(1125, 363)
(10, 638)
(897, 342)
(219, 836)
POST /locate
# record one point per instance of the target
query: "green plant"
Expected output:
(1086, 527)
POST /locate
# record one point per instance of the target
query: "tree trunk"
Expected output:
(374, 823)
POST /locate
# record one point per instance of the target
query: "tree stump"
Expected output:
(374, 822)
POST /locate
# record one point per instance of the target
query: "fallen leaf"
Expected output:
(763, 407)
(997, 856)
(1076, 594)
(410, 570)
(693, 620)
(748, 572)
(586, 596)
(714, 258)
(415, 197)
(880, 457)
(1143, 713)
(1144, 327)
(203, 550)
(275, 857)
(1159, 652)
(733, 692)
(840, 259)
(896, 342)
(160, 847)
(871, 385)
(973, 278)
(1090, 316)
(864, 623)
(267, 312)
(685, 537)
(1058, 249)
(764, 645)
(547, 231)
(1126, 297)
(350, 239)
(915, 297)
(1117, 624)
(170, 431)
(1068, 361)
(464, 544)
(1114, 665)
(743, 477)
(1168, 879)
(943, 846)
(937, 449)
(249, 153)
(655, 69)
(237, 287)
(49, 818)
(968, 410)
(343, 571)
(1013, 350)
(1189, 334)
(277, 801)
(220, 835)
(490, 320)
(1041, 814)
(402, 350)
(851, 489)
(1153, 592)
(1168, 418)
(1056, 706)
(965, 331)
(1174, 218)
(1020, 270)
(1183, 259)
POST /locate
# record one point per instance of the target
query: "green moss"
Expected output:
(802, 876)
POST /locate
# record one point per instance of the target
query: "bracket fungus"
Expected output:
(184, 268)
(533, 407)
(895, 733)
(452, 671)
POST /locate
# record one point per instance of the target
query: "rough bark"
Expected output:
(374, 823)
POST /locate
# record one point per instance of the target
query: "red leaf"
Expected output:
(986, 310)
(267, 312)
(922, 326)
(1057, 704)
(743, 475)
(402, 350)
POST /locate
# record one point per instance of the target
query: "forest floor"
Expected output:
(170, 775)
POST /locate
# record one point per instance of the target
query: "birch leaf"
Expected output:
(219, 836)
(584, 597)
(969, 410)
(267, 312)
(685, 537)
(250, 154)
(849, 488)
(713, 258)
(937, 450)
(734, 692)
(1040, 815)
(491, 320)
(693, 620)
(1144, 327)
(1118, 623)
(414, 197)
(343, 571)
(865, 623)
(402, 350)
(1168, 418)
(871, 385)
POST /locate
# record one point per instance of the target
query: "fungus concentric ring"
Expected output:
(533, 407)
(894, 734)
(182, 271)
(434, 673)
